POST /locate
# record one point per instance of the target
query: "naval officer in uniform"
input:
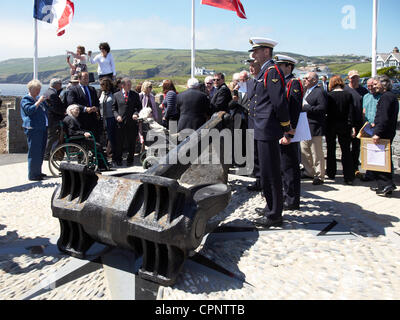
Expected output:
(290, 154)
(269, 114)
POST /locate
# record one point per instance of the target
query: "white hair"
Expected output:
(208, 78)
(34, 84)
(236, 76)
(70, 108)
(193, 83)
(54, 82)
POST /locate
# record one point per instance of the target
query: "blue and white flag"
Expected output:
(57, 12)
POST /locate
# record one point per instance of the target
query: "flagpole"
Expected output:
(193, 41)
(35, 45)
(374, 36)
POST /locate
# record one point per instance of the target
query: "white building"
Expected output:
(203, 72)
(384, 60)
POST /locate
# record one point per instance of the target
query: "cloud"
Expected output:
(151, 32)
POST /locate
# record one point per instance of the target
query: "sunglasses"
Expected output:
(216, 79)
(209, 83)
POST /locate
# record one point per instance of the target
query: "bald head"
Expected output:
(370, 86)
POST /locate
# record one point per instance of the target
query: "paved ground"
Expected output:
(358, 259)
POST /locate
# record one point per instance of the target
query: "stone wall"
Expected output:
(16, 139)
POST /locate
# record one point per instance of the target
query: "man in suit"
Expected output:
(290, 163)
(312, 154)
(126, 108)
(86, 97)
(324, 83)
(56, 113)
(222, 97)
(193, 107)
(269, 115)
(358, 92)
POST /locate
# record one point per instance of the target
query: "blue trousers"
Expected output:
(37, 139)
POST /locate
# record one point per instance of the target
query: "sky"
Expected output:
(309, 27)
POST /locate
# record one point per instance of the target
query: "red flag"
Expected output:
(66, 17)
(233, 5)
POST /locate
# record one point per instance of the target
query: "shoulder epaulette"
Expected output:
(266, 75)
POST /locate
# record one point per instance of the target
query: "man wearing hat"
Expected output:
(358, 92)
(56, 113)
(270, 119)
(254, 69)
(290, 162)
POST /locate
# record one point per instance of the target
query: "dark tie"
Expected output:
(88, 99)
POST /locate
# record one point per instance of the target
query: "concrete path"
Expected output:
(359, 258)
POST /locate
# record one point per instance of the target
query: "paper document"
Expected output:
(303, 129)
(376, 154)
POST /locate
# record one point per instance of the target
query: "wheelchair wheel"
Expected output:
(149, 162)
(68, 152)
(142, 157)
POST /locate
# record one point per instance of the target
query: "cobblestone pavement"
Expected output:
(360, 261)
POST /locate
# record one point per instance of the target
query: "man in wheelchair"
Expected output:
(75, 132)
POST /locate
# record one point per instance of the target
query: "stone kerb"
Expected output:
(16, 139)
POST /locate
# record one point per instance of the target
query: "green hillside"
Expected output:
(155, 64)
(344, 68)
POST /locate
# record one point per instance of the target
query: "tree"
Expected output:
(391, 72)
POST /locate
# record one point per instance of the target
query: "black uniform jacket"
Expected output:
(221, 98)
(315, 106)
(295, 99)
(194, 108)
(268, 109)
(126, 109)
(55, 107)
(387, 111)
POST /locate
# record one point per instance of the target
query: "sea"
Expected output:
(20, 90)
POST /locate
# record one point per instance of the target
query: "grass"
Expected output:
(344, 68)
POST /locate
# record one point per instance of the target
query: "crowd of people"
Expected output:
(267, 97)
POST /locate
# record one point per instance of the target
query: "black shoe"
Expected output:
(290, 207)
(255, 187)
(386, 191)
(317, 182)
(262, 211)
(375, 189)
(266, 222)
(349, 182)
(117, 163)
(36, 179)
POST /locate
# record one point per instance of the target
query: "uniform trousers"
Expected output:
(36, 139)
(312, 158)
(269, 156)
(290, 169)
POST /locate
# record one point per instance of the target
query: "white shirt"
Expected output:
(106, 64)
(307, 94)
